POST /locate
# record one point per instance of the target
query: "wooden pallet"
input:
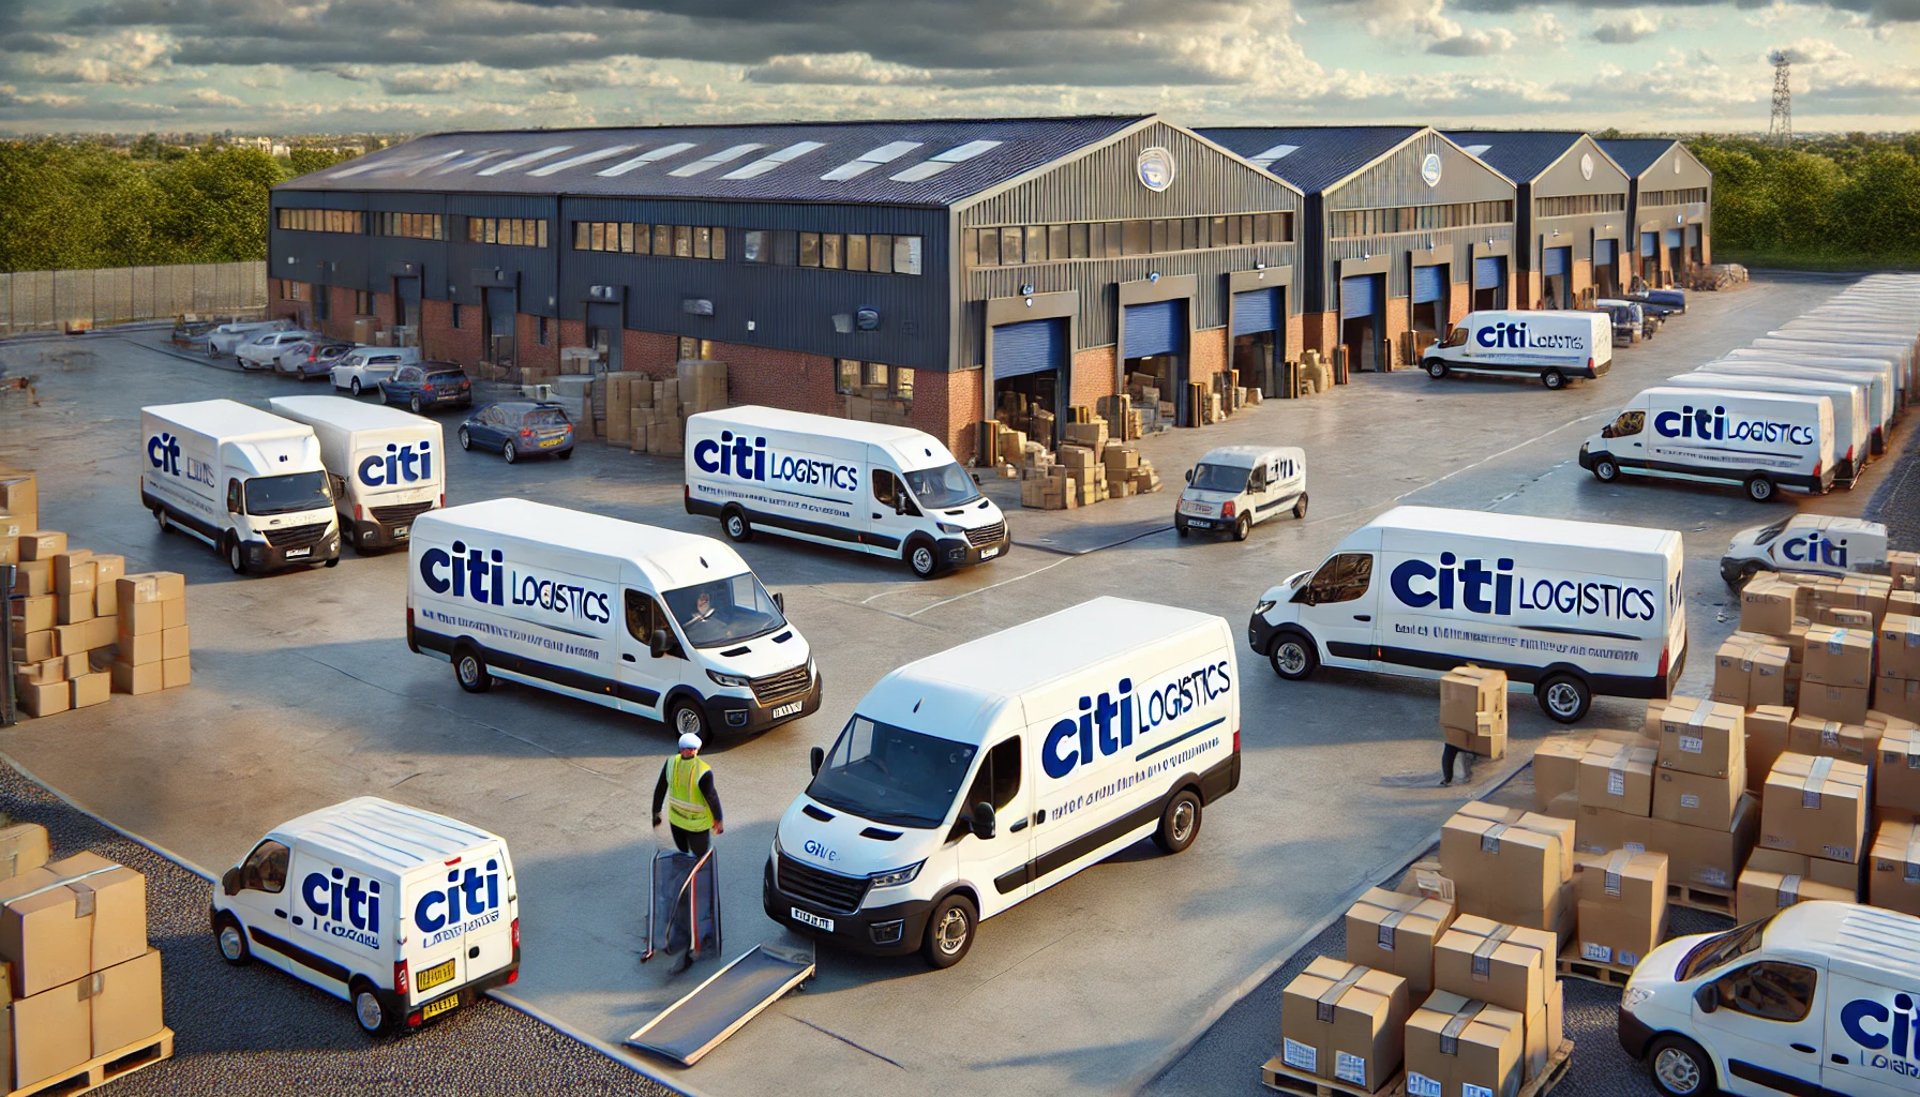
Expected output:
(1572, 966)
(94, 1073)
(1557, 1067)
(1700, 897)
(1278, 1076)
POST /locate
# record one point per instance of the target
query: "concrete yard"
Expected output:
(304, 694)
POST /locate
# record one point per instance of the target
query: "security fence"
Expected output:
(55, 300)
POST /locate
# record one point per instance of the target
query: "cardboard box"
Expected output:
(1488, 739)
(1556, 769)
(1767, 605)
(1893, 881)
(1702, 857)
(1899, 646)
(1768, 728)
(33, 578)
(136, 680)
(151, 586)
(1761, 893)
(52, 1032)
(1700, 736)
(91, 689)
(34, 647)
(43, 698)
(125, 1003)
(1509, 966)
(84, 636)
(1561, 829)
(141, 619)
(1500, 870)
(1897, 696)
(1623, 905)
(1465, 692)
(1602, 830)
(20, 495)
(73, 609)
(175, 673)
(23, 848)
(1815, 806)
(1698, 801)
(1424, 878)
(41, 544)
(36, 613)
(1854, 743)
(1455, 1042)
(80, 662)
(1835, 874)
(69, 918)
(1896, 775)
(1344, 1022)
(1618, 777)
(1545, 1029)
(141, 650)
(1839, 657)
(1395, 933)
(173, 643)
(73, 572)
(1843, 703)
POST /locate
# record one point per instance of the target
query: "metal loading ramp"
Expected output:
(732, 996)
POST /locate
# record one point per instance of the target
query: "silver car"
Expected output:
(227, 337)
(363, 368)
(261, 351)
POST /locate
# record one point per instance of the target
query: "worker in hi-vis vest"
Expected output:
(693, 806)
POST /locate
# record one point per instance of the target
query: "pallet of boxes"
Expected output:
(1431, 997)
(82, 981)
(1091, 467)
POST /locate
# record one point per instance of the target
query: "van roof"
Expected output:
(905, 441)
(369, 833)
(349, 414)
(1836, 522)
(1875, 943)
(1734, 390)
(1246, 456)
(1546, 531)
(227, 419)
(668, 558)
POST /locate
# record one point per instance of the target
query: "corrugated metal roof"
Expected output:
(1637, 154)
(1319, 156)
(1520, 155)
(926, 162)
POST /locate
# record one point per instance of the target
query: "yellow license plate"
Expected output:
(545, 442)
(444, 1005)
(434, 976)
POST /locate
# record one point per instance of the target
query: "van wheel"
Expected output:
(471, 670)
(1180, 822)
(1564, 697)
(1605, 471)
(354, 387)
(1679, 1068)
(1760, 489)
(466, 440)
(687, 718)
(368, 1010)
(921, 558)
(734, 523)
(1293, 656)
(565, 454)
(1243, 527)
(1554, 379)
(950, 932)
(236, 555)
(1436, 369)
(1300, 508)
(1180, 528)
(231, 940)
(1747, 572)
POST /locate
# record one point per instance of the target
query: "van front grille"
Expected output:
(987, 535)
(787, 683)
(296, 536)
(400, 512)
(830, 891)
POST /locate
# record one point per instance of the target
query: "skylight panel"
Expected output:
(1277, 152)
(469, 162)
(869, 160)
(593, 157)
(524, 159)
(644, 159)
(927, 169)
(724, 156)
(773, 160)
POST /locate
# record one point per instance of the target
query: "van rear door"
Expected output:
(453, 909)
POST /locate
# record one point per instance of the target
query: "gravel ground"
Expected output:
(1897, 502)
(256, 1030)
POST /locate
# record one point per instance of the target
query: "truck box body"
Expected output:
(388, 465)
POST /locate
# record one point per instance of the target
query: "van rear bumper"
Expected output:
(876, 931)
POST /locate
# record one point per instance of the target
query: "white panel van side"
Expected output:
(1762, 440)
(1555, 346)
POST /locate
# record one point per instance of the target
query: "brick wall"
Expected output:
(1296, 338)
(340, 314)
(1399, 319)
(774, 378)
(650, 352)
(439, 339)
(526, 339)
(1706, 245)
(1532, 290)
(1092, 376)
(947, 405)
(1209, 356)
(1582, 279)
(1319, 331)
(1459, 302)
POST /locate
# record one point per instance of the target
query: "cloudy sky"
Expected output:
(293, 66)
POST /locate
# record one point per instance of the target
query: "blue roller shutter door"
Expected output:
(1673, 238)
(1034, 346)
(1490, 272)
(1429, 284)
(1557, 261)
(1357, 298)
(1155, 329)
(1649, 244)
(1254, 311)
(1603, 252)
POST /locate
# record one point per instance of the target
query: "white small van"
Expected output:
(1875, 374)
(1852, 433)
(886, 490)
(971, 780)
(1819, 998)
(1553, 345)
(1569, 608)
(1234, 488)
(406, 914)
(388, 466)
(667, 625)
(1763, 440)
(1821, 544)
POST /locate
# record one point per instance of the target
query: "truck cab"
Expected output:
(1821, 544)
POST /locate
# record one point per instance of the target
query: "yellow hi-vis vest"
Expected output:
(686, 804)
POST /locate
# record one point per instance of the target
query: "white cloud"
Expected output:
(1814, 51)
(834, 68)
(1629, 26)
(209, 97)
(1546, 27)
(1475, 43)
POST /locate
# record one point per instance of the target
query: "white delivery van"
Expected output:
(1763, 440)
(1234, 488)
(1852, 434)
(1876, 374)
(1819, 998)
(1553, 345)
(406, 914)
(667, 625)
(245, 481)
(886, 490)
(1569, 608)
(388, 465)
(1838, 338)
(971, 780)
(1823, 544)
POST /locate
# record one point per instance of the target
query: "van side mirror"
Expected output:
(657, 643)
(816, 758)
(899, 502)
(1606, 431)
(779, 602)
(1189, 476)
(1707, 997)
(982, 824)
(230, 881)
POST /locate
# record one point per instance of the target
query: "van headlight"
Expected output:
(896, 877)
(1635, 996)
(1261, 607)
(946, 527)
(726, 679)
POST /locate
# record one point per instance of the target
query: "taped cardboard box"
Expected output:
(1395, 933)
(1835, 874)
(1838, 657)
(1510, 966)
(1899, 646)
(1768, 728)
(1466, 692)
(1545, 1029)
(1894, 879)
(1697, 800)
(1761, 893)
(1500, 870)
(1856, 743)
(1702, 857)
(1897, 697)
(1846, 704)
(23, 848)
(51, 1032)
(1896, 775)
(1461, 1045)
(70, 918)
(1560, 829)
(1344, 1022)
(1749, 673)
(1601, 830)
(1556, 769)
(1486, 739)
(1701, 736)
(1767, 605)
(1618, 777)
(1623, 905)
(1815, 806)
(125, 1003)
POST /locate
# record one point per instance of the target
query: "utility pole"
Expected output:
(1780, 127)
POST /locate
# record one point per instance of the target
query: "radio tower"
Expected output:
(1780, 128)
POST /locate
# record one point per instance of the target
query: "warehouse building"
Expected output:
(1570, 213)
(919, 268)
(1670, 207)
(1405, 233)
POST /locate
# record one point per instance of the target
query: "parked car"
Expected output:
(1657, 308)
(310, 358)
(260, 351)
(364, 368)
(226, 338)
(423, 385)
(519, 428)
(1631, 321)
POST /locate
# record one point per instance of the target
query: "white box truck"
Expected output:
(388, 466)
(1852, 433)
(1569, 608)
(1762, 440)
(247, 482)
(1818, 998)
(974, 779)
(886, 490)
(1556, 346)
(405, 914)
(667, 625)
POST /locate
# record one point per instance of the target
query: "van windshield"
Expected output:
(891, 775)
(1717, 950)
(1225, 478)
(1766, 536)
(724, 611)
(943, 487)
(288, 494)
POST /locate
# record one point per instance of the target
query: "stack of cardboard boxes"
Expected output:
(1813, 827)
(151, 648)
(1091, 467)
(1344, 1022)
(1512, 866)
(1473, 710)
(642, 415)
(84, 983)
(1622, 905)
(1152, 400)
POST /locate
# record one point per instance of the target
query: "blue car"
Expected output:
(424, 385)
(519, 428)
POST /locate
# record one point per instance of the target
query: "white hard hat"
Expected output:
(689, 741)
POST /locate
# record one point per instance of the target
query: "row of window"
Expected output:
(1680, 197)
(1456, 215)
(321, 220)
(875, 380)
(875, 253)
(520, 232)
(1566, 205)
(416, 226)
(639, 238)
(1015, 245)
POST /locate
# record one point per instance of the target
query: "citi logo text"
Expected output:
(408, 464)
(1109, 722)
(750, 459)
(344, 906)
(1714, 425)
(1500, 591)
(163, 453)
(481, 575)
(1516, 336)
